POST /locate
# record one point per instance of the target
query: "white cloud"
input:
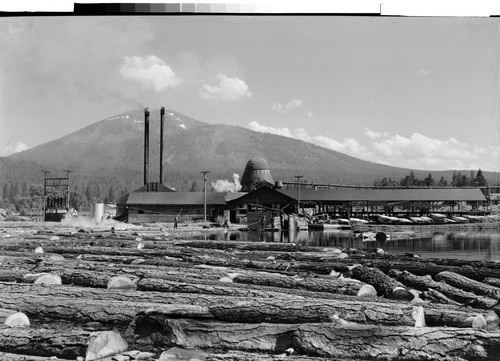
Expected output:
(415, 152)
(348, 145)
(230, 89)
(422, 152)
(14, 148)
(151, 72)
(285, 108)
(310, 114)
(423, 72)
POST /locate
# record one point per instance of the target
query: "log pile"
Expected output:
(227, 300)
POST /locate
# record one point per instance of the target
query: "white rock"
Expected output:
(48, 279)
(105, 344)
(18, 319)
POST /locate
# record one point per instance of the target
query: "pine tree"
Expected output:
(6, 192)
(111, 195)
(480, 181)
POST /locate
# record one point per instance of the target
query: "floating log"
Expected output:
(256, 309)
(425, 283)
(64, 342)
(333, 285)
(385, 285)
(338, 340)
(468, 284)
(250, 246)
(86, 310)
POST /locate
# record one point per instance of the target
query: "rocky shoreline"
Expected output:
(149, 293)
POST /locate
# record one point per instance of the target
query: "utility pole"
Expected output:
(45, 172)
(67, 188)
(205, 172)
(298, 192)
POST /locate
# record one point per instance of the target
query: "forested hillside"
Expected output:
(106, 160)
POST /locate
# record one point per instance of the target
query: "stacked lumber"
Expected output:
(129, 295)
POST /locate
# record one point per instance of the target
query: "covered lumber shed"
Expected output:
(146, 207)
(384, 200)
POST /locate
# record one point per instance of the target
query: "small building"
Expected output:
(149, 207)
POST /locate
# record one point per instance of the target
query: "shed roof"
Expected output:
(180, 198)
(388, 195)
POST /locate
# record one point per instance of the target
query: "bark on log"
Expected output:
(86, 310)
(335, 340)
(259, 309)
(250, 246)
(384, 284)
(334, 285)
(495, 282)
(425, 283)
(20, 357)
(66, 343)
(468, 284)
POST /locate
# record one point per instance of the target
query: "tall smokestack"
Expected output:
(162, 118)
(146, 146)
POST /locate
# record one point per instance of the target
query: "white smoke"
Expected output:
(223, 185)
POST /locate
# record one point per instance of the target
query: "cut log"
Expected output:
(333, 285)
(66, 343)
(425, 283)
(468, 284)
(21, 357)
(335, 340)
(85, 310)
(249, 246)
(261, 309)
(385, 285)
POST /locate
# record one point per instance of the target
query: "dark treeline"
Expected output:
(459, 179)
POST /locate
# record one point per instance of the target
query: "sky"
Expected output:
(413, 92)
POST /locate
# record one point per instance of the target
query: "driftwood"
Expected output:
(425, 283)
(467, 284)
(338, 340)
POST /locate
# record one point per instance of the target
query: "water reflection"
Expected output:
(483, 246)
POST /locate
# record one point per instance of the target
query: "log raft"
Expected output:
(245, 300)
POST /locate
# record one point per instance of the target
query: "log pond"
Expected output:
(482, 245)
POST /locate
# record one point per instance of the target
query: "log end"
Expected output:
(17, 319)
(105, 344)
(367, 291)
